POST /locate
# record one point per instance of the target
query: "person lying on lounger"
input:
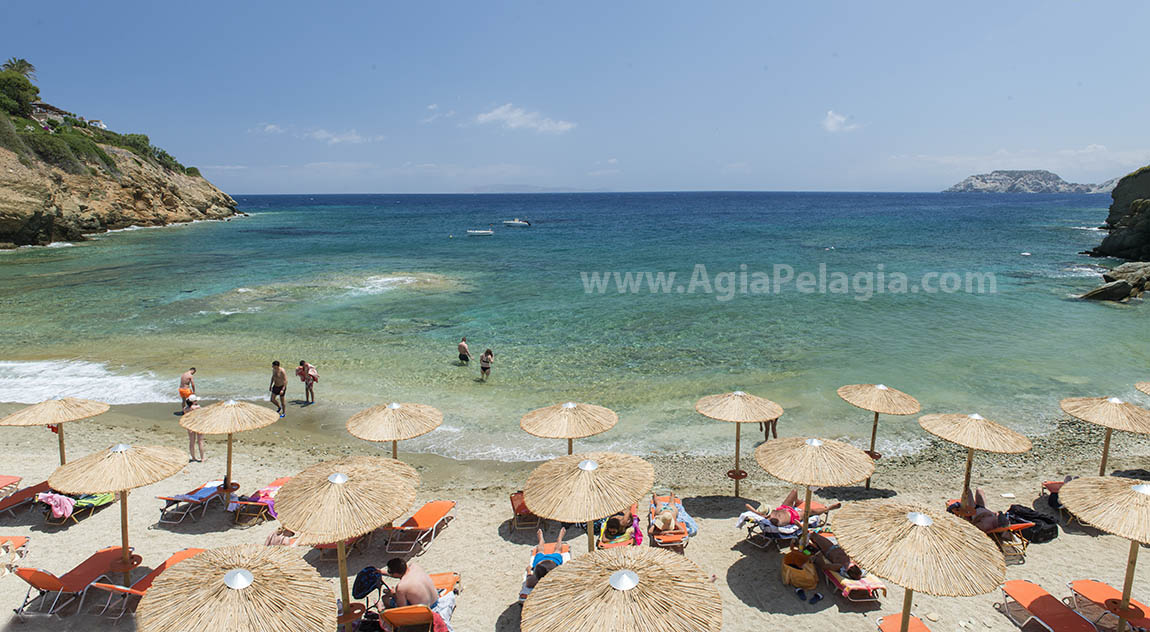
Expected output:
(542, 563)
(972, 507)
(618, 529)
(835, 558)
(665, 520)
(788, 513)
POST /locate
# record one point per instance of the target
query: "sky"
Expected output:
(343, 97)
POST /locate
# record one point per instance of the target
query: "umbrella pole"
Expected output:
(126, 555)
(738, 438)
(570, 446)
(228, 476)
(60, 436)
(907, 597)
(806, 516)
(1129, 583)
(969, 462)
(341, 549)
(395, 450)
(1101, 470)
(590, 536)
(873, 435)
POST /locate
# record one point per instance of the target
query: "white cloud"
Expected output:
(266, 128)
(835, 122)
(512, 117)
(335, 138)
(604, 172)
(436, 114)
(433, 106)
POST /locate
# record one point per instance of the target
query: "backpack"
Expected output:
(1045, 528)
(797, 570)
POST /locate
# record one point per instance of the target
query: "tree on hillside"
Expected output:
(22, 66)
(17, 94)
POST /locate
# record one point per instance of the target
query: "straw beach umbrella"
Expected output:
(813, 463)
(1115, 505)
(1143, 386)
(55, 412)
(394, 422)
(228, 418)
(878, 398)
(569, 421)
(974, 432)
(247, 588)
(335, 501)
(118, 469)
(920, 549)
(626, 589)
(586, 487)
(738, 408)
(1111, 413)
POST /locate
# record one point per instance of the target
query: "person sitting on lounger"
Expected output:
(542, 563)
(416, 588)
(617, 529)
(835, 558)
(280, 537)
(973, 508)
(787, 513)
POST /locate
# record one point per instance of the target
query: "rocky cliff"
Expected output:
(1031, 181)
(1129, 219)
(40, 203)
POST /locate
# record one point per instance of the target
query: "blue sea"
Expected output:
(964, 301)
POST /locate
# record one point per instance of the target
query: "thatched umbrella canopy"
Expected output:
(974, 432)
(587, 487)
(1111, 413)
(922, 550)
(1143, 386)
(247, 588)
(1115, 505)
(54, 412)
(625, 589)
(813, 463)
(118, 469)
(337, 500)
(569, 420)
(738, 408)
(394, 422)
(228, 418)
(878, 398)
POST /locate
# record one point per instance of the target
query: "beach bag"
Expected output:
(1045, 529)
(367, 581)
(798, 570)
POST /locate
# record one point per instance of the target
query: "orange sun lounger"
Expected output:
(16, 543)
(409, 618)
(1014, 548)
(548, 548)
(862, 590)
(9, 504)
(176, 508)
(522, 518)
(1024, 602)
(9, 484)
(1092, 595)
(422, 528)
(141, 585)
(892, 623)
(676, 538)
(74, 583)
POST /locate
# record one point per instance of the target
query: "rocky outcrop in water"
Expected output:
(1129, 219)
(40, 203)
(1029, 181)
(1127, 281)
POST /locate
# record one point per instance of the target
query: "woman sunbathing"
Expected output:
(787, 513)
(972, 507)
(617, 529)
(835, 558)
(542, 563)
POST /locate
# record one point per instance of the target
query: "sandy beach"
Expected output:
(480, 545)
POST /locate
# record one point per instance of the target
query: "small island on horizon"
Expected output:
(1026, 181)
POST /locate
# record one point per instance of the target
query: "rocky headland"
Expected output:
(1026, 181)
(1129, 224)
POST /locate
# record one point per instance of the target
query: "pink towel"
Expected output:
(61, 505)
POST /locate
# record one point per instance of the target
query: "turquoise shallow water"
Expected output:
(376, 290)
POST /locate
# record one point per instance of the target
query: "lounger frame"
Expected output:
(525, 519)
(404, 539)
(185, 508)
(1006, 609)
(1072, 601)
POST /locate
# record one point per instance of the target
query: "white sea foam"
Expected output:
(32, 382)
(1092, 228)
(380, 284)
(55, 244)
(228, 312)
(244, 290)
(1077, 272)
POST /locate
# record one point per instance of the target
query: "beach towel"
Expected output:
(209, 489)
(93, 500)
(867, 583)
(765, 525)
(444, 608)
(266, 495)
(60, 505)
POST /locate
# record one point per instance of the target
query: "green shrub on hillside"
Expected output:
(194, 172)
(52, 150)
(86, 150)
(9, 139)
(17, 93)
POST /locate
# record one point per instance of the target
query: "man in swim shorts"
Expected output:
(187, 386)
(278, 387)
(464, 352)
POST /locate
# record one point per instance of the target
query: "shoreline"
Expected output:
(90, 236)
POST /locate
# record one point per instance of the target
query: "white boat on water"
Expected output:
(521, 223)
(480, 233)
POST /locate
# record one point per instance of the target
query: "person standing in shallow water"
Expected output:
(278, 387)
(485, 361)
(309, 376)
(187, 386)
(464, 352)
